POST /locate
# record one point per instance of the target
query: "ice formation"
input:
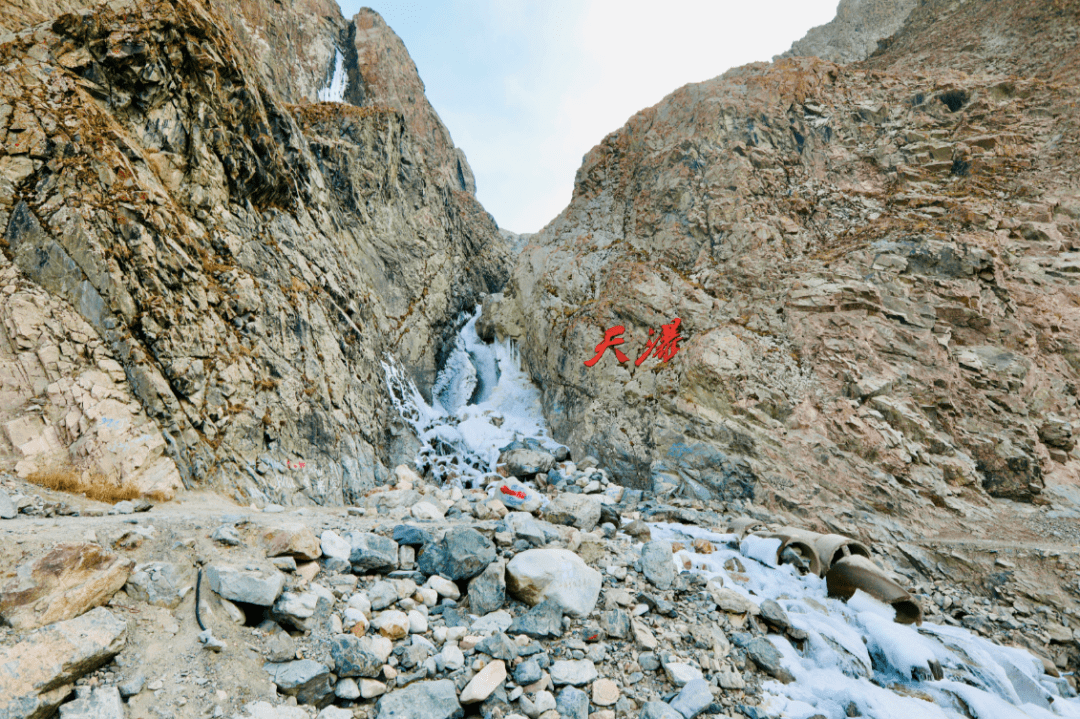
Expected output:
(482, 400)
(335, 91)
(857, 654)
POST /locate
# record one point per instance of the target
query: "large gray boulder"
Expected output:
(96, 703)
(251, 586)
(352, 658)
(575, 510)
(656, 564)
(462, 553)
(157, 583)
(487, 590)
(372, 552)
(305, 679)
(7, 507)
(422, 700)
(525, 462)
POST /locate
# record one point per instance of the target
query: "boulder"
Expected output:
(681, 673)
(392, 624)
(575, 510)
(615, 623)
(605, 692)
(498, 621)
(251, 586)
(525, 461)
(514, 495)
(658, 710)
(334, 546)
(62, 584)
(555, 575)
(731, 601)
(305, 679)
(487, 590)
(574, 672)
(527, 527)
(528, 672)
(657, 564)
(157, 583)
(352, 658)
(498, 646)
(40, 669)
(372, 552)
(7, 507)
(227, 535)
(95, 703)
(408, 535)
(572, 703)
(296, 610)
(541, 622)
(486, 681)
(768, 659)
(294, 540)
(695, 697)
(462, 553)
(421, 700)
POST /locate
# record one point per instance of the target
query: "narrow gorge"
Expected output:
(777, 418)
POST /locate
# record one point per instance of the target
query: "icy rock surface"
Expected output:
(481, 400)
(856, 654)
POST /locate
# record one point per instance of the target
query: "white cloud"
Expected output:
(527, 87)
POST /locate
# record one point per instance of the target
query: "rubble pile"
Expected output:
(586, 600)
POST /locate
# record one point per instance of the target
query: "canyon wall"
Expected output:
(248, 256)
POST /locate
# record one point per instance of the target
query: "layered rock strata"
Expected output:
(249, 263)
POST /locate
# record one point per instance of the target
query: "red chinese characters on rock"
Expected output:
(611, 338)
(663, 347)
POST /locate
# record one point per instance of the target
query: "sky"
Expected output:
(527, 87)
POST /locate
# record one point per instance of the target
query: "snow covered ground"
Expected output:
(481, 401)
(857, 654)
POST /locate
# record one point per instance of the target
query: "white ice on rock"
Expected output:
(857, 654)
(335, 91)
(482, 400)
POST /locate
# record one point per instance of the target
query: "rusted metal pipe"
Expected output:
(833, 547)
(743, 526)
(856, 572)
(801, 541)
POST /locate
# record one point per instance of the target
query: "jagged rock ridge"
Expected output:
(854, 33)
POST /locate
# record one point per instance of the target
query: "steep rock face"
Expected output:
(389, 78)
(248, 262)
(854, 33)
(294, 45)
(873, 269)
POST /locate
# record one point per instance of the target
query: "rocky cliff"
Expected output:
(874, 268)
(854, 33)
(244, 256)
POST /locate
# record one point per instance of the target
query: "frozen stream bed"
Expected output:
(857, 655)
(482, 400)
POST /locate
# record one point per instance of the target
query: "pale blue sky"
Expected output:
(527, 87)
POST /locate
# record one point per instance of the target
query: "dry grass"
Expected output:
(91, 484)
